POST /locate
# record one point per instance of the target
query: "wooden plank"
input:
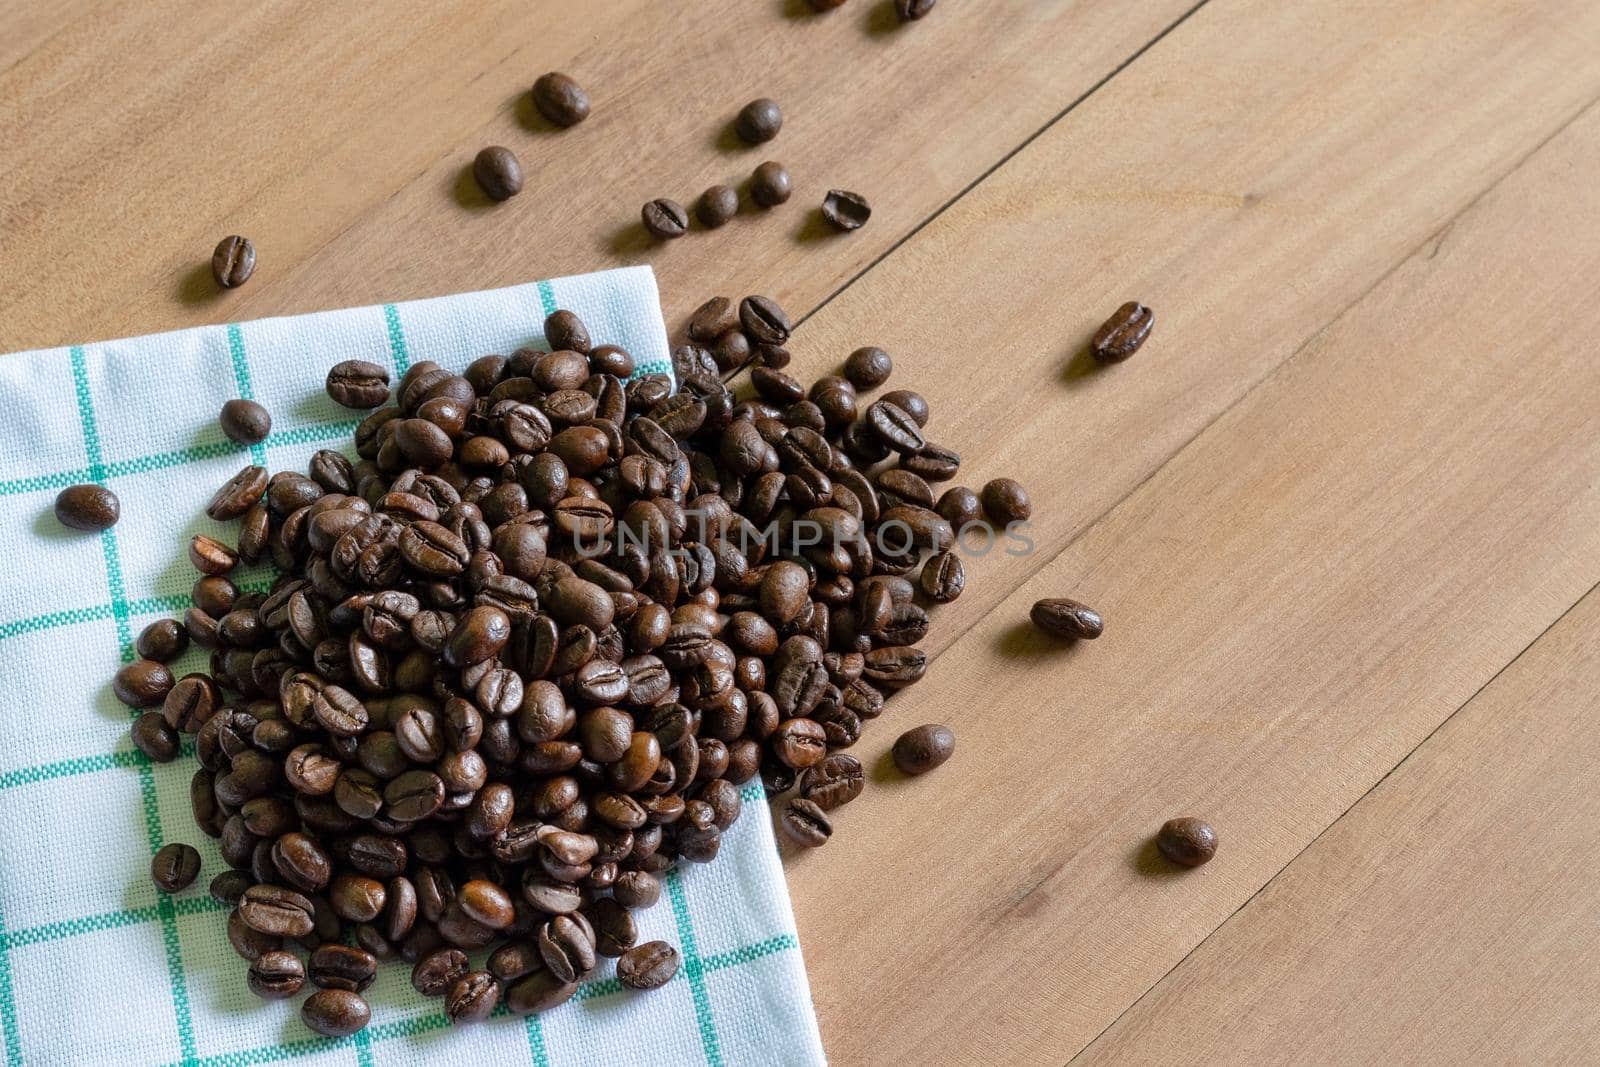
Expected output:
(1293, 602)
(337, 138)
(1448, 918)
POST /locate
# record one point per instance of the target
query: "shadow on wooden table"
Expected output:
(197, 286)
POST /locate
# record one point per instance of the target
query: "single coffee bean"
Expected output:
(245, 422)
(233, 261)
(759, 121)
(648, 966)
(472, 998)
(211, 556)
(805, 823)
(1006, 501)
(567, 947)
(238, 494)
(163, 641)
(560, 99)
(834, 781)
(922, 748)
(664, 218)
(716, 206)
(770, 184)
(1061, 617)
(144, 683)
(335, 1012)
(801, 742)
(278, 912)
(868, 368)
(355, 383)
(229, 886)
(174, 867)
(276, 975)
(958, 506)
(565, 331)
(435, 973)
(87, 507)
(335, 966)
(1187, 842)
(153, 737)
(764, 320)
(498, 173)
(943, 577)
(1123, 333)
(712, 319)
(846, 210)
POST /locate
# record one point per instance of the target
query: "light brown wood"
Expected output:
(1293, 601)
(1434, 921)
(338, 137)
(1348, 481)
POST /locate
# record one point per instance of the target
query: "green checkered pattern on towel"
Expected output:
(149, 977)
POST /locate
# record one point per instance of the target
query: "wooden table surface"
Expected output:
(1342, 513)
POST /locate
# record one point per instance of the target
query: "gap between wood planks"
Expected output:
(1429, 247)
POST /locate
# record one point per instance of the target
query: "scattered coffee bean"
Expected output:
(716, 206)
(355, 383)
(868, 368)
(233, 261)
(153, 737)
(565, 331)
(805, 823)
(764, 320)
(911, 10)
(943, 577)
(560, 99)
(833, 782)
(87, 507)
(210, 556)
(770, 184)
(922, 748)
(759, 121)
(163, 640)
(1006, 501)
(174, 867)
(335, 1012)
(144, 683)
(648, 966)
(846, 210)
(498, 173)
(665, 219)
(1187, 842)
(1123, 333)
(245, 422)
(276, 975)
(1061, 617)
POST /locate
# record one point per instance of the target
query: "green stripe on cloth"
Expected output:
(8, 1004)
(241, 380)
(547, 297)
(74, 617)
(147, 782)
(693, 969)
(59, 480)
(536, 1049)
(69, 767)
(110, 920)
(363, 1041)
(399, 354)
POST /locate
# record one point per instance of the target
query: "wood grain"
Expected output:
(1448, 918)
(338, 140)
(1293, 602)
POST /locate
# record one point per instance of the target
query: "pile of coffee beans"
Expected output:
(522, 653)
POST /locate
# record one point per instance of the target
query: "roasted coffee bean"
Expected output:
(958, 506)
(245, 422)
(567, 948)
(163, 641)
(648, 966)
(800, 743)
(233, 261)
(922, 748)
(716, 206)
(759, 121)
(342, 967)
(770, 184)
(276, 975)
(805, 823)
(712, 319)
(764, 320)
(943, 577)
(87, 507)
(174, 867)
(229, 886)
(1123, 333)
(868, 368)
(565, 331)
(238, 494)
(153, 737)
(276, 911)
(1188, 842)
(436, 973)
(911, 10)
(414, 796)
(833, 782)
(664, 218)
(1006, 501)
(486, 903)
(497, 172)
(538, 992)
(846, 210)
(560, 99)
(472, 998)
(211, 556)
(144, 683)
(354, 383)
(335, 1012)
(1060, 617)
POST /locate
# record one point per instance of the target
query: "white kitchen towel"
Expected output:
(96, 965)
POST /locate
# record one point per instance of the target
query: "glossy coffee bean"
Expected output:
(335, 1012)
(472, 998)
(435, 973)
(1123, 334)
(233, 261)
(356, 383)
(163, 641)
(805, 823)
(665, 219)
(770, 184)
(276, 975)
(922, 748)
(1187, 842)
(868, 368)
(143, 683)
(1006, 501)
(174, 867)
(833, 781)
(648, 966)
(245, 422)
(87, 507)
(152, 736)
(1061, 617)
(560, 99)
